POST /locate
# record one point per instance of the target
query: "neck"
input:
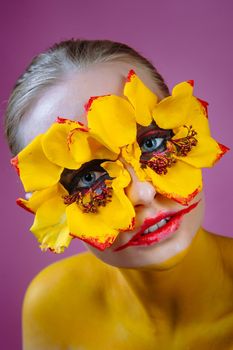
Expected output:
(184, 292)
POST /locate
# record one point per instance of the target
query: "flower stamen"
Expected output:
(185, 144)
(91, 200)
(160, 162)
(178, 147)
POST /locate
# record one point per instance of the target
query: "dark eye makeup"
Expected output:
(90, 175)
(152, 140)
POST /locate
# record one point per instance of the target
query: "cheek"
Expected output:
(107, 256)
(98, 253)
(193, 221)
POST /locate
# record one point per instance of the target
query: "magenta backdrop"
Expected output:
(184, 39)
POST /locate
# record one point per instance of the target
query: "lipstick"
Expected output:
(151, 232)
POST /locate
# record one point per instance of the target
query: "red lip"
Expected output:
(154, 237)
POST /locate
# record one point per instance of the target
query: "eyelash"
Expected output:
(97, 178)
(157, 141)
(74, 181)
(156, 144)
(77, 181)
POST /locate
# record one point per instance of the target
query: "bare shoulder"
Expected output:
(59, 300)
(225, 248)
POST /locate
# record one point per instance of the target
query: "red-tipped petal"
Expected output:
(130, 228)
(224, 149)
(95, 243)
(130, 75)
(205, 105)
(191, 82)
(15, 162)
(22, 205)
(71, 134)
(87, 106)
(186, 201)
(61, 120)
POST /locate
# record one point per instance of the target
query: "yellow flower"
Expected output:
(175, 172)
(50, 223)
(78, 181)
(93, 215)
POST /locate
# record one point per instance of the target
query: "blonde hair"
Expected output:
(50, 66)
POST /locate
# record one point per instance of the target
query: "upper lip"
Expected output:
(148, 222)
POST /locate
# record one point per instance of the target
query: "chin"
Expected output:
(162, 255)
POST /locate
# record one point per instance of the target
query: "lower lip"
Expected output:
(161, 233)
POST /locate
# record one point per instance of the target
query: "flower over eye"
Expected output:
(173, 166)
(88, 179)
(153, 141)
(76, 177)
(83, 199)
(152, 144)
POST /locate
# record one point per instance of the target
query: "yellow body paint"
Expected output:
(185, 303)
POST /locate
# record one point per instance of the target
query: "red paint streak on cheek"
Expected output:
(131, 74)
(205, 105)
(15, 162)
(191, 82)
(22, 205)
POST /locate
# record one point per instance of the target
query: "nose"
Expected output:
(140, 193)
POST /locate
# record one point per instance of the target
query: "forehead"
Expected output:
(67, 98)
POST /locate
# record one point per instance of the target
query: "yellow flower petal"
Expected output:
(55, 143)
(132, 154)
(204, 154)
(112, 119)
(184, 89)
(36, 171)
(50, 224)
(39, 197)
(89, 227)
(172, 111)
(101, 229)
(142, 99)
(197, 118)
(117, 171)
(119, 213)
(181, 183)
(84, 147)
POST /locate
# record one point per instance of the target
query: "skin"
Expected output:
(175, 294)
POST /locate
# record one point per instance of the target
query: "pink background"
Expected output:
(184, 39)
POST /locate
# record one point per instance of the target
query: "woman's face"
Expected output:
(67, 99)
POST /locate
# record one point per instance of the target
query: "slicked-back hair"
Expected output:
(51, 66)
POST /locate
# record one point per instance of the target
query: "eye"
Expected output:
(153, 140)
(91, 175)
(152, 144)
(89, 179)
